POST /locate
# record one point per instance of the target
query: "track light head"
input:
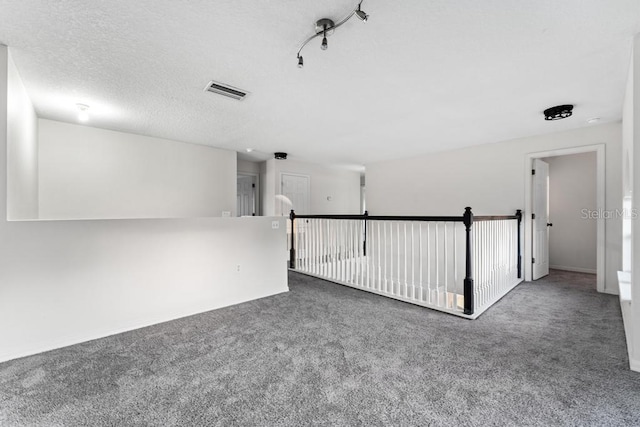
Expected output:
(362, 15)
(324, 44)
(300, 61)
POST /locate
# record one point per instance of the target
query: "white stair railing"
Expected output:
(495, 260)
(421, 260)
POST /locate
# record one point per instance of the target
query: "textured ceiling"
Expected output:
(420, 76)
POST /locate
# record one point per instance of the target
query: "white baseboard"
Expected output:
(634, 364)
(573, 269)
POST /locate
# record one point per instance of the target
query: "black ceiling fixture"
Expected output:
(280, 155)
(325, 27)
(558, 112)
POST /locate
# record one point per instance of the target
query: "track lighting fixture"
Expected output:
(325, 27)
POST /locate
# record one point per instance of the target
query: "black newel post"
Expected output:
(519, 215)
(364, 243)
(292, 251)
(467, 218)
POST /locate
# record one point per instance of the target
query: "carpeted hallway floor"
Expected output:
(549, 353)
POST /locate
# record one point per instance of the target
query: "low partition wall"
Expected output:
(64, 282)
(460, 265)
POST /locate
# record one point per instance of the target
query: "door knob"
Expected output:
(549, 224)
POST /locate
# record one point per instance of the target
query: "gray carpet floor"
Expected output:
(549, 353)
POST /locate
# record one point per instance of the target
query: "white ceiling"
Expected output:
(420, 76)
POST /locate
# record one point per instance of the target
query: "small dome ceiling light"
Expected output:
(325, 27)
(249, 150)
(593, 120)
(83, 112)
(558, 112)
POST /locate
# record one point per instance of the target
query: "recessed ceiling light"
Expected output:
(593, 120)
(83, 112)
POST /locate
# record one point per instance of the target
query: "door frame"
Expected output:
(599, 149)
(257, 192)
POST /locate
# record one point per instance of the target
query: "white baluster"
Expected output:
(386, 276)
(446, 266)
(429, 297)
(396, 289)
(420, 263)
(406, 287)
(437, 248)
(413, 264)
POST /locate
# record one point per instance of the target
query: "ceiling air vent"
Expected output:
(226, 90)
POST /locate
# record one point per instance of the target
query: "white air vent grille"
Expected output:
(226, 90)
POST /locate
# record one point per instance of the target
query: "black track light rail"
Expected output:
(330, 28)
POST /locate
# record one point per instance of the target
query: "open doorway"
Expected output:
(574, 224)
(247, 195)
(572, 212)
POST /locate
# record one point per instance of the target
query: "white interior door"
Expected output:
(246, 195)
(540, 241)
(295, 192)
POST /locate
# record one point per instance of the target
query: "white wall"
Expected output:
(269, 189)
(333, 191)
(627, 168)
(63, 282)
(631, 161)
(87, 172)
(572, 189)
(246, 166)
(490, 178)
(22, 151)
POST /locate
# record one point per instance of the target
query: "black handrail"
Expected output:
(385, 218)
(409, 218)
(467, 219)
(494, 217)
